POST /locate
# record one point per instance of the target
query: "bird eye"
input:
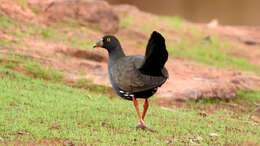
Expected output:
(108, 40)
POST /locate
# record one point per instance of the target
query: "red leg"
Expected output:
(146, 105)
(141, 124)
(137, 109)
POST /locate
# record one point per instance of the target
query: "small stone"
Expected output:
(213, 134)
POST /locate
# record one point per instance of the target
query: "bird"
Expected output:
(136, 76)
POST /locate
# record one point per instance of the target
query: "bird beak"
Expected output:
(99, 44)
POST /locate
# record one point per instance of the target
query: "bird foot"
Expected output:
(142, 126)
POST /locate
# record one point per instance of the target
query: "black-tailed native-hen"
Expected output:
(136, 76)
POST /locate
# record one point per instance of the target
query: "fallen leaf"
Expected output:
(255, 118)
(23, 133)
(193, 143)
(203, 114)
(199, 138)
(213, 134)
(68, 142)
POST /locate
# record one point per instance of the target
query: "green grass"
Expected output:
(35, 10)
(246, 101)
(54, 33)
(127, 21)
(251, 96)
(4, 21)
(37, 103)
(24, 4)
(5, 43)
(210, 52)
(34, 109)
(175, 22)
(88, 85)
(68, 24)
(45, 73)
(30, 67)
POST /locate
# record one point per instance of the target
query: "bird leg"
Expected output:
(146, 105)
(141, 124)
(137, 109)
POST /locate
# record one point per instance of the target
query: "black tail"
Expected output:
(155, 56)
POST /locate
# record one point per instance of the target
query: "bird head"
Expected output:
(108, 42)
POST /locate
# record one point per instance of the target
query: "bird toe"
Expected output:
(141, 125)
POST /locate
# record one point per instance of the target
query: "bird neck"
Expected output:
(116, 53)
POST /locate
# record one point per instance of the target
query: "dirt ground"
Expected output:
(188, 79)
(41, 142)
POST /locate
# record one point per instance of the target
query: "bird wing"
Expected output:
(126, 76)
(156, 55)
